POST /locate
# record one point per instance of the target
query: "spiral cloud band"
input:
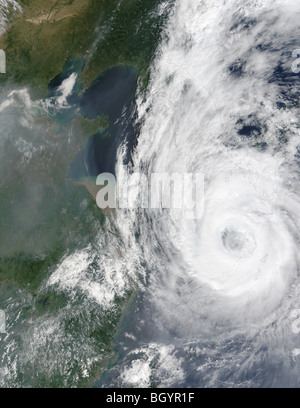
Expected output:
(223, 101)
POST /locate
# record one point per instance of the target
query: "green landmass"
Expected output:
(43, 215)
(103, 32)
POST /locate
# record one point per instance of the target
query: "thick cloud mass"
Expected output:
(223, 101)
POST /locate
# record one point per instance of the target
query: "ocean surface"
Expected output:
(214, 301)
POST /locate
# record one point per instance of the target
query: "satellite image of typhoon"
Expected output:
(149, 193)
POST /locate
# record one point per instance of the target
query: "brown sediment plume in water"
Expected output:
(90, 184)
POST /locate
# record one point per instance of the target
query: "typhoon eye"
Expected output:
(238, 243)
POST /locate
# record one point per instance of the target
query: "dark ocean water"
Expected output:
(111, 95)
(223, 101)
